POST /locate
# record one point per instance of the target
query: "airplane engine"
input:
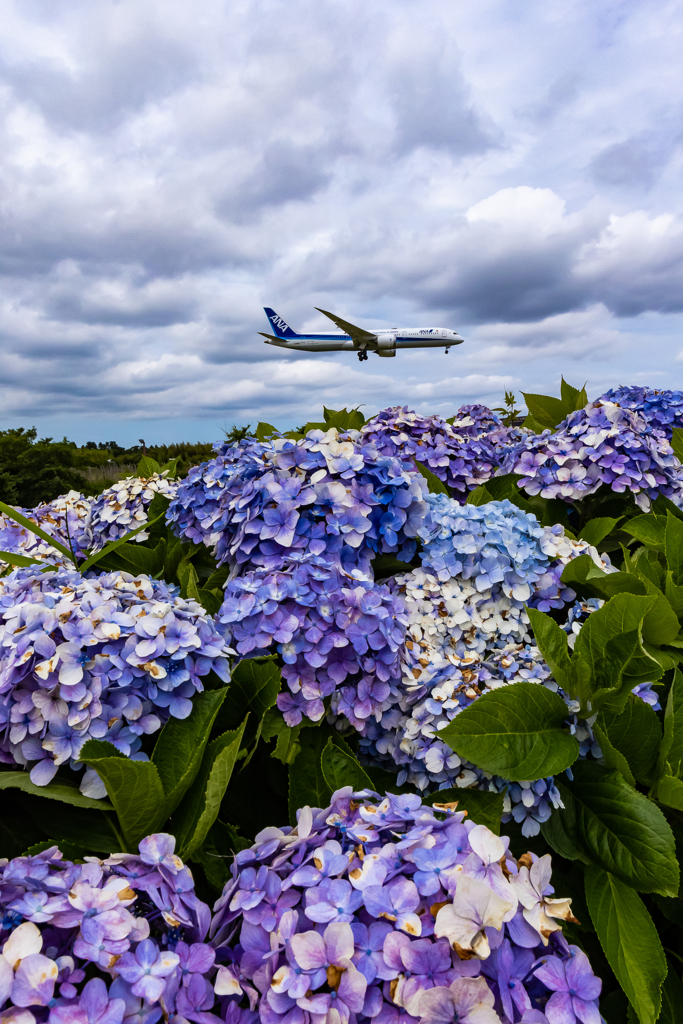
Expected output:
(386, 345)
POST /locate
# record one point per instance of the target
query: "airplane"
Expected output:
(383, 342)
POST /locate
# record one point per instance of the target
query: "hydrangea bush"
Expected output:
(661, 409)
(123, 507)
(381, 909)
(461, 458)
(325, 495)
(110, 657)
(68, 519)
(601, 444)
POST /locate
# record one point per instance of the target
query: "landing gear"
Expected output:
(447, 351)
(362, 355)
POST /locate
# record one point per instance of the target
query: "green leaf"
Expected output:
(142, 559)
(114, 544)
(677, 442)
(96, 830)
(673, 547)
(660, 624)
(478, 496)
(546, 411)
(674, 595)
(553, 645)
(573, 398)
(623, 831)
(637, 734)
(199, 809)
(671, 750)
(559, 831)
(343, 419)
(254, 686)
(22, 560)
(629, 938)
(179, 750)
(32, 528)
(287, 744)
(148, 466)
(597, 529)
(264, 431)
(134, 788)
(672, 996)
(670, 792)
(307, 784)
(622, 614)
(648, 529)
(517, 732)
(340, 768)
(435, 485)
(58, 789)
(612, 757)
(482, 807)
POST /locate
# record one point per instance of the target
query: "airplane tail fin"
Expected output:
(281, 329)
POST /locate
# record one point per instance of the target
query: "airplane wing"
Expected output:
(358, 334)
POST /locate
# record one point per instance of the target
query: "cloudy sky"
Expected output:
(510, 169)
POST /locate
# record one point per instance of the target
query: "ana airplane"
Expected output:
(384, 342)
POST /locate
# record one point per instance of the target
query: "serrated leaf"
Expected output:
(629, 938)
(559, 831)
(677, 442)
(307, 784)
(179, 750)
(596, 530)
(483, 808)
(264, 431)
(517, 732)
(673, 547)
(622, 614)
(573, 398)
(548, 412)
(343, 419)
(671, 750)
(147, 466)
(670, 792)
(286, 738)
(58, 789)
(134, 788)
(199, 809)
(478, 496)
(672, 996)
(648, 529)
(33, 528)
(611, 756)
(623, 831)
(254, 686)
(637, 734)
(142, 559)
(553, 644)
(340, 768)
(660, 624)
(434, 485)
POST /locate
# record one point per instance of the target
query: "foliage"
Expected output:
(34, 470)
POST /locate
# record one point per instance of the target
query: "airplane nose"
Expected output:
(457, 340)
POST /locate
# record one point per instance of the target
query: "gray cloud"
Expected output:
(165, 171)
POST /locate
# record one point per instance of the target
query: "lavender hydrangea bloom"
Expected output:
(123, 507)
(603, 444)
(574, 986)
(662, 410)
(110, 657)
(339, 635)
(327, 495)
(399, 955)
(98, 915)
(459, 454)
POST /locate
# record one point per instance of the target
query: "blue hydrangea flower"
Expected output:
(110, 657)
(661, 410)
(328, 495)
(68, 519)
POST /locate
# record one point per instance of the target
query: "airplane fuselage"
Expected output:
(381, 341)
